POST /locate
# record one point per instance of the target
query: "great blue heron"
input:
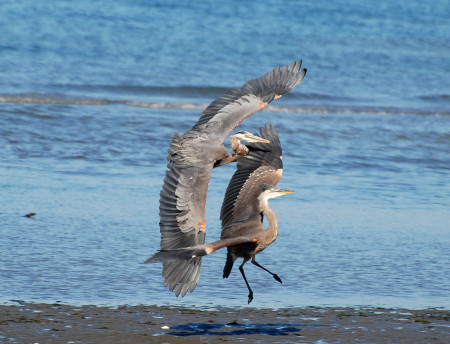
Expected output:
(246, 202)
(192, 157)
(244, 206)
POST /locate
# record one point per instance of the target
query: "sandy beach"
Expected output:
(59, 323)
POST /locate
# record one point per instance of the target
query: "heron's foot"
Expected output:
(242, 150)
(250, 297)
(277, 278)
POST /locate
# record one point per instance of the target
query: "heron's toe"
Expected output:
(277, 278)
(250, 297)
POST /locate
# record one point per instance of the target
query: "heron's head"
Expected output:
(270, 191)
(249, 137)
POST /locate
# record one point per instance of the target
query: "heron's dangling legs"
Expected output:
(226, 157)
(241, 269)
(241, 149)
(262, 267)
(238, 148)
(229, 158)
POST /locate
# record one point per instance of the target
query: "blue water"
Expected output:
(91, 92)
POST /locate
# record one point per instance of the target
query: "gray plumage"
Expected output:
(192, 157)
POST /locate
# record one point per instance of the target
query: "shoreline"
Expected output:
(55, 323)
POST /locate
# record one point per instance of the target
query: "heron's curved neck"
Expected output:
(272, 229)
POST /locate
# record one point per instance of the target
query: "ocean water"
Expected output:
(91, 92)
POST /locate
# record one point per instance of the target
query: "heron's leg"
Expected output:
(227, 157)
(224, 157)
(226, 160)
(241, 269)
(262, 267)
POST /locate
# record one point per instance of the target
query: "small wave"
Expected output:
(162, 105)
(51, 100)
(148, 89)
(31, 99)
(96, 102)
(436, 98)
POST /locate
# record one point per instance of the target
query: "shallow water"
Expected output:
(91, 95)
(368, 224)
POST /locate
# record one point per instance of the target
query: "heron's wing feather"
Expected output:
(182, 206)
(182, 209)
(181, 276)
(235, 105)
(261, 165)
(182, 224)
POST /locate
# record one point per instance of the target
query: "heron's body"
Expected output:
(246, 202)
(192, 157)
(259, 237)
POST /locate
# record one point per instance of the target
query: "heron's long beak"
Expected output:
(280, 192)
(249, 137)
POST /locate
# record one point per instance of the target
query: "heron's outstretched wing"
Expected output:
(182, 210)
(235, 105)
(262, 165)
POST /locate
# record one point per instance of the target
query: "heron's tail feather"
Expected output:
(177, 254)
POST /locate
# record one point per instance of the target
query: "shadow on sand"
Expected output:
(236, 329)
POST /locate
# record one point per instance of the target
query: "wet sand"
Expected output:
(58, 323)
